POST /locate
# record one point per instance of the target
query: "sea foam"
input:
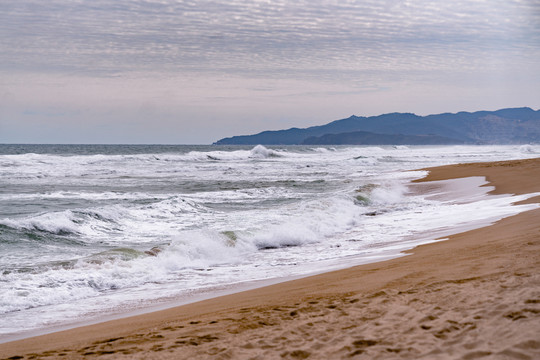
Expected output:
(88, 232)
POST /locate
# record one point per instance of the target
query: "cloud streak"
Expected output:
(259, 36)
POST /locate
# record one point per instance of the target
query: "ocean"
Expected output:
(90, 231)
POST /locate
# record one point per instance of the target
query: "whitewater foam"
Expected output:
(85, 233)
(528, 149)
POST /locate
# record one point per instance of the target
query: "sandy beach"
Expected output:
(475, 295)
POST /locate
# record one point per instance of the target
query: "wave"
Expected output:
(82, 195)
(33, 162)
(381, 195)
(400, 147)
(84, 224)
(286, 235)
(99, 169)
(527, 149)
(134, 223)
(138, 218)
(114, 269)
(60, 223)
(260, 151)
(189, 250)
(257, 152)
(222, 250)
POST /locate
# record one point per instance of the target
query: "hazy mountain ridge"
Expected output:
(505, 126)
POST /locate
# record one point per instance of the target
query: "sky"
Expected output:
(192, 72)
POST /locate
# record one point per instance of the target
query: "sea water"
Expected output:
(91, 230)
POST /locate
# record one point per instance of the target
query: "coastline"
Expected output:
(410, 307)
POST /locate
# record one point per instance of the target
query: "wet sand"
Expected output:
(476, 295)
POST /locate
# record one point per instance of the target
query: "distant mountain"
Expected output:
(369, 138)
(505, 126)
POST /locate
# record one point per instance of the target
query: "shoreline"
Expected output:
(213, 293)
(460, 191)
(224, 326)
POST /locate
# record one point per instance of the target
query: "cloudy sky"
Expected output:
(194, 71)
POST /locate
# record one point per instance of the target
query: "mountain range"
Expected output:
(505, 126)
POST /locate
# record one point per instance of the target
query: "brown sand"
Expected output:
(476, 295)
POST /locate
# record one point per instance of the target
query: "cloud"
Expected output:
(250, 62)
(103, 37)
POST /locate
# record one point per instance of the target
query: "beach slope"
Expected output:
(476, 295)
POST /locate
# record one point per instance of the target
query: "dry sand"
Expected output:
(474, 296)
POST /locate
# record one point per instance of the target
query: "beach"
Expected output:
(474, 295)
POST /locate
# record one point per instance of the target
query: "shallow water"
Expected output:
(87, 230)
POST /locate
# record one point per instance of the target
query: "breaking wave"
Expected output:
(527, 149)
(122, 229)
